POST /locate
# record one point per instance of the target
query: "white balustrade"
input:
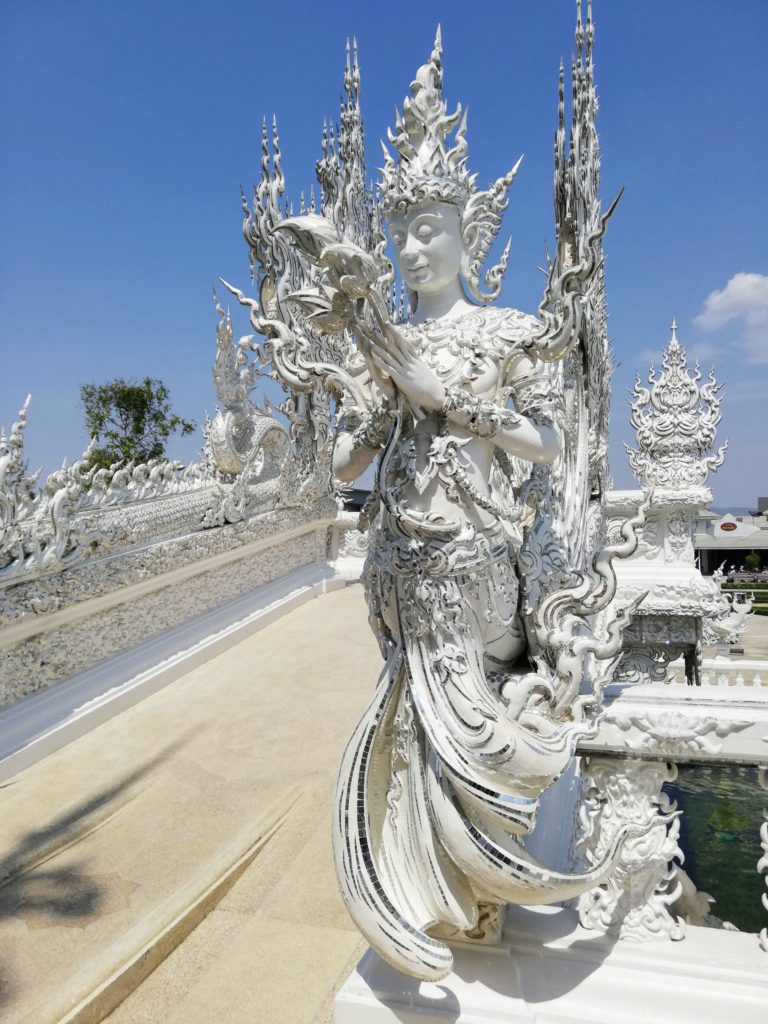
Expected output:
(726, 672)
(645, 733)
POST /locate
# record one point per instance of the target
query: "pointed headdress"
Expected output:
(431, 168)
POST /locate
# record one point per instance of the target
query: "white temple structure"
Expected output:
(503, 837)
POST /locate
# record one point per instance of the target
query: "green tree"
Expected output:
(752, 561)
(130, 422)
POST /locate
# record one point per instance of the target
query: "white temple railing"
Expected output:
(645, 733)
(725, 672)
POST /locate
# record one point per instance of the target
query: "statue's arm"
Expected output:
(529, 431)
(350, 460)
(356, 448)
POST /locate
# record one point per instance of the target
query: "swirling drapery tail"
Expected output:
(394, 878)
(497, 861)
(490, 756)
(407, 839)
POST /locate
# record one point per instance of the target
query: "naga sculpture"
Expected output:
(486, 585)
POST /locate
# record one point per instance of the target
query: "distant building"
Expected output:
(730, 538)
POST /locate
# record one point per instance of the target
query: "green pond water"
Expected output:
(719, 835)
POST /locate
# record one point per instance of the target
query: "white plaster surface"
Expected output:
(41, 723)
(551, 971)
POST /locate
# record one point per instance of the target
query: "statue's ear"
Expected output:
(466, 264)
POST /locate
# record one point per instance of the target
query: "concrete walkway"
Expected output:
(755, 640)
(174, 864)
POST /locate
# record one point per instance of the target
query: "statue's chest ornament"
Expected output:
(459, 349)
(456, 350)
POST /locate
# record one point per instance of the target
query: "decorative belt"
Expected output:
(413, 556)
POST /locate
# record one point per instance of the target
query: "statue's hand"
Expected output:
(395, 357)
(381, 383)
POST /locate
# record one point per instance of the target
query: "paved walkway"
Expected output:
(175, 862)
(755, 641)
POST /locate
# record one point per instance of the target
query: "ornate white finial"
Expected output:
(675, 423)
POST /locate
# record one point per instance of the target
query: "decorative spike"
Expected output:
(276, 158)
(264, 151)
(347, 73)
(510, 176)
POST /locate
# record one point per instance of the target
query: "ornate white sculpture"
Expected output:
(486, 588)
(731, 621)
(242, 436)
(634, 902)
(40, 531)
(675, 422)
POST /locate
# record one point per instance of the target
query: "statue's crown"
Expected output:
(429, 167)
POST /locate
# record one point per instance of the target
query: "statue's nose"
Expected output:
(410, 251)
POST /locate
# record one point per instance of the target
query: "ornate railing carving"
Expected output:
(644, 734)
(634, 902)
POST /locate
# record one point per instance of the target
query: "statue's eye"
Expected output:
(424, 233)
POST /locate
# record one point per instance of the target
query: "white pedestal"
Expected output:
(549, 970)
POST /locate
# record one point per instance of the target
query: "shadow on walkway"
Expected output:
(66, 895)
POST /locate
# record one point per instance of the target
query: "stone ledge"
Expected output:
(58, 645)
(549, 970)
(36, 726)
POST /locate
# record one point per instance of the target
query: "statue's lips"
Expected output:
(418, 271)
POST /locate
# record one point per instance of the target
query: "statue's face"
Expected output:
(428, 244)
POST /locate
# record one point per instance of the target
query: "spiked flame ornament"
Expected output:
(429, 168)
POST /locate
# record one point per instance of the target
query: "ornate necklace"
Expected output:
(471, 339)
(459, 337)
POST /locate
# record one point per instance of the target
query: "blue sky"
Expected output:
(129, 127)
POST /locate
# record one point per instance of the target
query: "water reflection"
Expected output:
(719, 835)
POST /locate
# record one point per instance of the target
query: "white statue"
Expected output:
(493, 626)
